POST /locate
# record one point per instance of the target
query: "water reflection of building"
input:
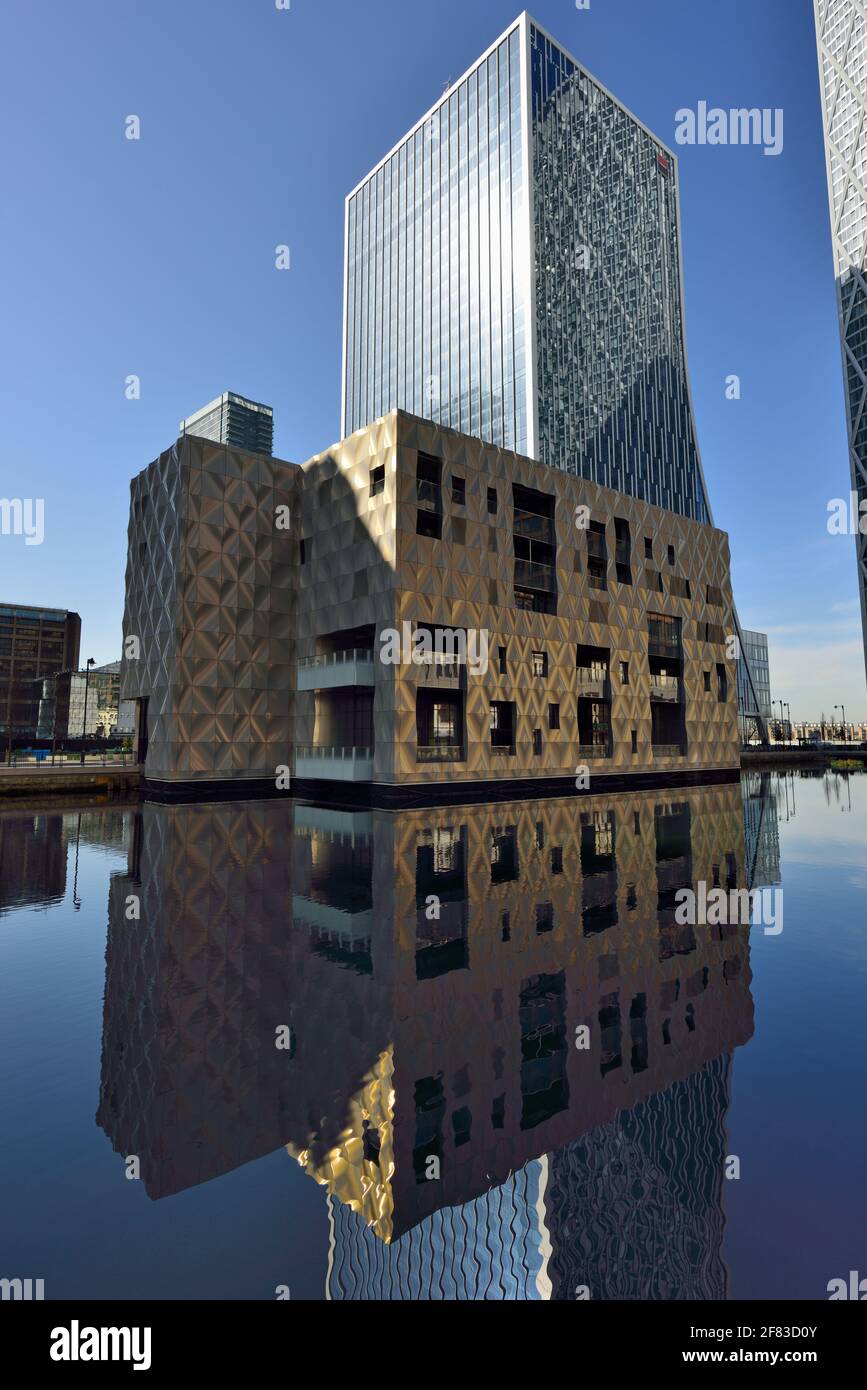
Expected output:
(433, 969)
(32, 860)
(761, 830)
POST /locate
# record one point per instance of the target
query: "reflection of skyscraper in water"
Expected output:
(554, 915)
(436, 970)
(761, 830)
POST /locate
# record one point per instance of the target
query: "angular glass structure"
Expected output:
(841, 31)
(513, 271)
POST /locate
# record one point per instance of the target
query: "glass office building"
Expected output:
(513, 271)
(34, 642)
(754, 695)
(233, 420)
(841, 30)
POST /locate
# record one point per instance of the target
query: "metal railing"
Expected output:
(439, 753)
(335, 658)
(68, 760)
(664, 687)
(327, 754)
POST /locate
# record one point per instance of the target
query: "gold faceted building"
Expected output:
(413, 608)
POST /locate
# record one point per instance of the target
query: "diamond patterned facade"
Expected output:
(603, 645)
(209, 597)
(841, 27)
(414, 1035)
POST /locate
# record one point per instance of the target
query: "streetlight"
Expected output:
(789, 722)
(842, 709)
(90, 662)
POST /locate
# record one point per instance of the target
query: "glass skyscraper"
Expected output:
(233, 420)
(841, 30)
(513, 271)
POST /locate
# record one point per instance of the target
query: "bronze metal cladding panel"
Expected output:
(368, 565)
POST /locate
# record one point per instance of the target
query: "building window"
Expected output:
(624, 673)
(635, 740)
(492, 539)
(459, 491)
(302, 552)
(722, 683)
(648, 547)
(671, 555)
(377, 480)
(501, 651)
(557, 859)
(537, 742)
(636, 822)
(540, 834)
(503, 726)
(429, 520)
(540, 663)
(553, 716)
(459, 530)
(492, 501)
(429, 524)
(714, 596)
(597, 556)
(707, 682)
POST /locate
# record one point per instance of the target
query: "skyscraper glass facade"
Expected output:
(613, 403)
(841, 29)
(513, 271)
(437, 268)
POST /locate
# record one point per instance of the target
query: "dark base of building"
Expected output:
(385, 797)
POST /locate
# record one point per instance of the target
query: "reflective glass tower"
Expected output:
(841, 29)
(513, 271)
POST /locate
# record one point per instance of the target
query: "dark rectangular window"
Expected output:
(648, 548)
(429, 524)
(635, 740)
(553, 716)
(671, 555)
(459, 491)
(501, 651)
(557, 859)
(624, 673)
(492, 501)
(302, 552)
(722, 683)
(377, 480)
(540, 663)
(537, 742)
(707, 682)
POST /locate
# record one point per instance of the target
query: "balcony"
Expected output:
(445, 672)
(665, 688)
(530, 574)
(440, 753)
(668, 750)
(592, 681)
(594, 750)
(334, 764)
(335, 669)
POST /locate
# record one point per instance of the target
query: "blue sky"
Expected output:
(156, 258)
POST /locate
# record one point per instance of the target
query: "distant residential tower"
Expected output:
(234, 420)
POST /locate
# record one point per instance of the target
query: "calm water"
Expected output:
(468, 1053)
